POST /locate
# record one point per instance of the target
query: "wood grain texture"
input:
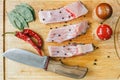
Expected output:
(103, 63)
(1, 39)
(68, 71)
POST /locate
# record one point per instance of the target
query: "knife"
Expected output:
(44, 62)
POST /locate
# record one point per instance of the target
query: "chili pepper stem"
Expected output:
(8, 33)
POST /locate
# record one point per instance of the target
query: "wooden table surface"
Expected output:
(107, 65)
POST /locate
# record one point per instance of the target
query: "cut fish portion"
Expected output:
(66, 13)
(65, 33)
(70, 50)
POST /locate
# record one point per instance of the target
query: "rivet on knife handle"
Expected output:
(69, 71)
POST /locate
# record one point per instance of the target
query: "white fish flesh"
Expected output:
(68, 32)
(66, 13)
(70, 50)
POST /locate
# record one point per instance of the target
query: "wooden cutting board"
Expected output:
(103, 63)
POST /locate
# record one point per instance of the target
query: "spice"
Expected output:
(21, 15)
(33, 34)
(41, 9)
(95, 60)
(60, 12)
(30, 8)
(95, 63)
(25, 13)
(17, 20)
(57, 51)
(26, 35)
(108, 56)
(50, 28)
(43, 19)
(26, 38)
(62, 17)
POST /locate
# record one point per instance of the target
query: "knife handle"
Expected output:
(69, 71)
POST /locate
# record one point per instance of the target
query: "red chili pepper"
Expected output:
(26, 38)
(33, 34)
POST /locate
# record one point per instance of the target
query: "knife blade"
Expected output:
(44, 62)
